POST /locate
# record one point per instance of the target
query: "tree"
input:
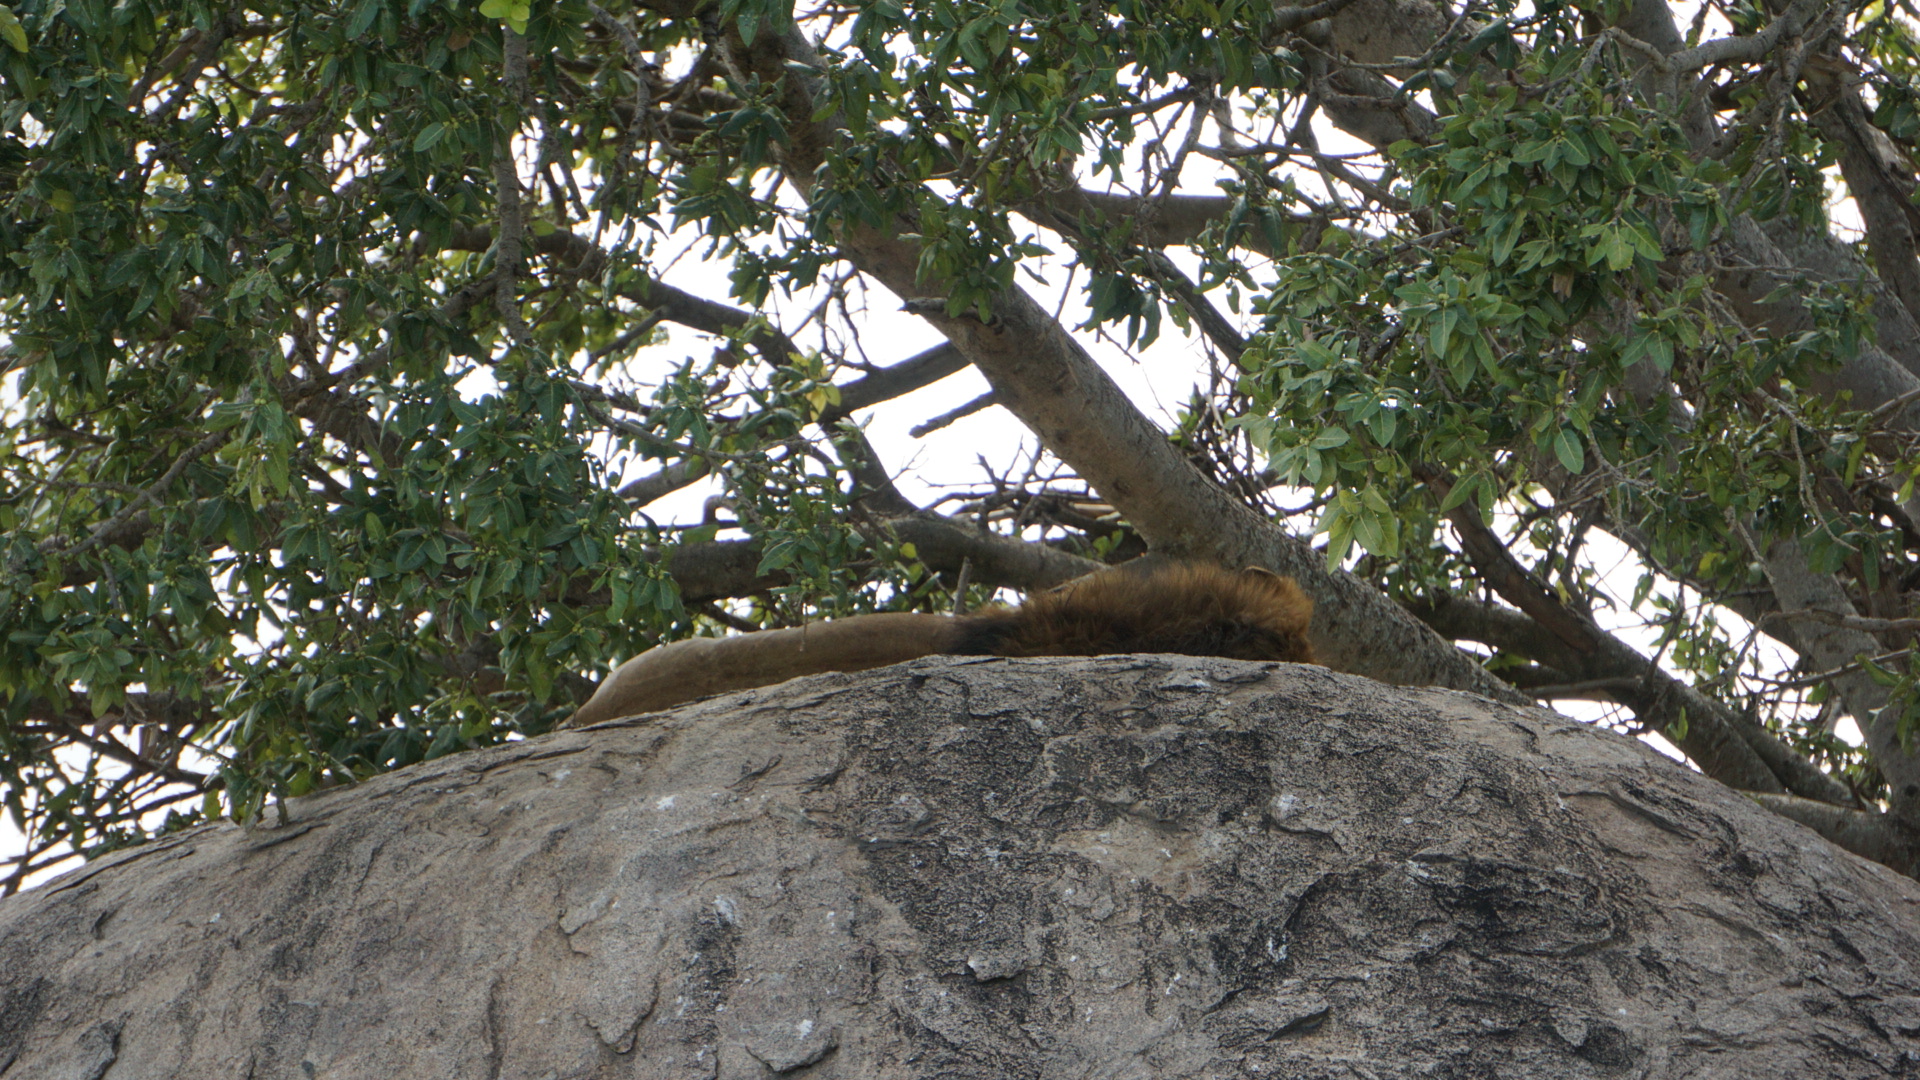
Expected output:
(324, 329)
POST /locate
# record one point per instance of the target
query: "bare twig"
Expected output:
(1852, 622)
(984, 401)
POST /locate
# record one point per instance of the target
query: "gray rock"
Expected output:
(1108, 868)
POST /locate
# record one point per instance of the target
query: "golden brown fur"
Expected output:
(1196, 610)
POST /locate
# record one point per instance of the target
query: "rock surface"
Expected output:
(1122, 867)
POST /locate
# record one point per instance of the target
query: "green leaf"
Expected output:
(363, 17)
(1330, 437)
(1645, 245)
(1853, 460)
(1384, 424)
(514, 13)
(430, 135)
(1442, 332)
(1377, 526)
(1338, 526)
(11, 30)
(1661, 350)
(1566, 447)
(1459, 493)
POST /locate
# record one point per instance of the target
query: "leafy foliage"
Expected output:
(320, 425)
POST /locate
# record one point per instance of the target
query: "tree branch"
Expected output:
(506, 180)
(666, 301)
(1043, 376)
(958, 412)
(723, 569)
(1789, 24)
(1877, 175)
(1500, 570)
(1833, 644)
(897, 380)
(1710, 735)
(946, 545)
(1729, 747)
(115, 526)
(109, 748)
(1161, 221)
(917, 371)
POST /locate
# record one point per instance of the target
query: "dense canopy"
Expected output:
(355, 357)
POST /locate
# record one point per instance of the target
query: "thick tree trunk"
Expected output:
(1117, 867)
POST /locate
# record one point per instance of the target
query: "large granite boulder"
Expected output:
(1105, 868)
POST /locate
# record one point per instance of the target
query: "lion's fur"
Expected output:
(1196, 610)
(670, 675)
